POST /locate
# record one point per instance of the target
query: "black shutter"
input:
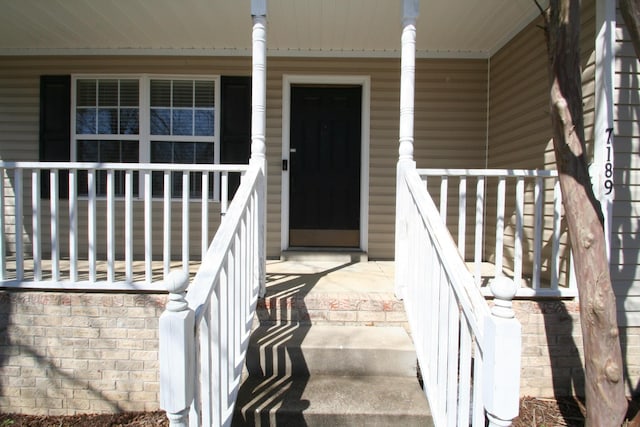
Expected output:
(55, 128)
(235, 124)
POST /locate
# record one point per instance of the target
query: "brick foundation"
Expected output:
(66, 353)
(552, 353)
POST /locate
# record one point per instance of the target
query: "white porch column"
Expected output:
(602, 173)
(259, 82)
(258, 124)
(410, 9)
(407, 78)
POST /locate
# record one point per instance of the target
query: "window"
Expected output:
(145, 119)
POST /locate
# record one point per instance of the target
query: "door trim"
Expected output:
(363, 81)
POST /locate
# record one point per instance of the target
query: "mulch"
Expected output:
(534, 412)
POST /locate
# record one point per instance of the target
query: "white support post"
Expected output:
(602, 170)
(259, 120)
(176, 352)
(410, 9)
(502, 350)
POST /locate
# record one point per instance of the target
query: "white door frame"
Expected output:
(365, 83)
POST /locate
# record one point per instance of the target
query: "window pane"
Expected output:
(160, 121)
(129, 151)
(182, 122)
(87, 151)
(85, 121)
(204, 94)
(110, 151)
(160, 93)
(86, 93)
(129, 121)
(161, 152)
(184, 152)
(182, 93)
(204, 123)
(107, 121)
(129, 92)
(204, 153)
(108, 93)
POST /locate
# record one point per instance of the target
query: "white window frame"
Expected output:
(144, 136)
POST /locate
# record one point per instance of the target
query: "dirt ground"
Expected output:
(533, 413)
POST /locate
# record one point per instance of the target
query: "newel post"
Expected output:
(176, 330)
(410, 10)
(502, 339)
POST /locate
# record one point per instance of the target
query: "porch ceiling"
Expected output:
(222, 27)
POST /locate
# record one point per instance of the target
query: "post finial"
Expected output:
(503, 289)
(176, 283)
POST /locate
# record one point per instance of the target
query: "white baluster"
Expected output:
(176, 352)
(166, 239)
(18, 200)
(35, 223)
(185, 221)
(204, 220)
(477, 257)
(111, 229)
(91, 182)
(3, 250)
(128, 225)
(73, 225)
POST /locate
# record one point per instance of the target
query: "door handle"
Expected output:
(285, 164)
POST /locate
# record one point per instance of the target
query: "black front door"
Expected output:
(324, 199)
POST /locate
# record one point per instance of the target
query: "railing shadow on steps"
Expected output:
(204, 334)
(468, 353)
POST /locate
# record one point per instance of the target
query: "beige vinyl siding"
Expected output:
(450, 117)
(450, 128)
(625, 244)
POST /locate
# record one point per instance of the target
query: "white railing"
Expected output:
(94, 225)
(469, 356)
(204, 337)
(525, 206)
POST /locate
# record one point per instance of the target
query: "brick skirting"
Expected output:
(66, 353)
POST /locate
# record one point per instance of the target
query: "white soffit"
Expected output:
(223, 27)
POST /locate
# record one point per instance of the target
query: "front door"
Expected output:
(324, 198)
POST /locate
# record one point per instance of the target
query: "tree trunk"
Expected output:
(606, 403)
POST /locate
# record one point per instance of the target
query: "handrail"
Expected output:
(469, 356)
(90, 211)
(528, 244)
(204, 337)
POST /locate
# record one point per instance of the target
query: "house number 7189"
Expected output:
(608, 166)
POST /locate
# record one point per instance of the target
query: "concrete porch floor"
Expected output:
(331, 291)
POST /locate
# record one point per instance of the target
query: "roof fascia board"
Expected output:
(294, 53)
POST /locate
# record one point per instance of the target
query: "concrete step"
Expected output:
(303, 350)
(315, 255)
(322, 400)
